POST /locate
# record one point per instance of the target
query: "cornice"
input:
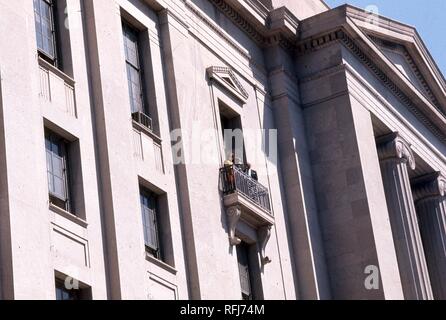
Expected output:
(217, 30)
(342, 35)
(392, 146)
(239, 20)
(280, 28)
(401, 49)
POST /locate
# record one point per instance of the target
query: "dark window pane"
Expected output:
(150, 223)
(244, 271)
(62, 293)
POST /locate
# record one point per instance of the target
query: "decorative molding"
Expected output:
(234, 213)
(340, 36)
(429, 186)
(239, 20)
(392, 146)
(381, 75)
(400, 49)
(262, 40)
(217, 30)
(317, 43)
(227, 78)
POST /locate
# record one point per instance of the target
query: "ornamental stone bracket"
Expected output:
(264, 235)
(234, 214)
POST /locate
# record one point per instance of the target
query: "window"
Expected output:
(45, 29)
(231, 125)
(244, 271)
(149, 210)
(134, 69)
(249, 272)
(57, 170)
(83, 292)
(62, 293)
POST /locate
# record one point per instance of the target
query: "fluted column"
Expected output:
(429, 194)
(396, 159)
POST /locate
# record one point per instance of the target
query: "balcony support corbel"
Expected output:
(234, 213)
(264, 234)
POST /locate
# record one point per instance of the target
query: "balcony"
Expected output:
(236, 182)
(246, 199)
(57, 88)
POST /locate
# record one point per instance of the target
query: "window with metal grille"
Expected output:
(244, 271)
(134, 69)
(149, 209)
(45, 29)
(56, 161)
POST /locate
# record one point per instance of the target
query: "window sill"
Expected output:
(69, 216)
(146, 131)
(160, 264)
(48, 66)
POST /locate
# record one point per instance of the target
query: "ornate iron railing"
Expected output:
(234, 179)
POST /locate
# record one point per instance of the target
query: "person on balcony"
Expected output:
(250, 172)
(229, 173)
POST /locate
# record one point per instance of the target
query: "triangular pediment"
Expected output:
(404, 48)
(403, 61)
(227, 78)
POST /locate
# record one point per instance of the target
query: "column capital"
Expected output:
(432, 185)
(393, 146)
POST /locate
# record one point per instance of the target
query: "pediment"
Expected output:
(226, 77)
(403, 61)
(403, 46)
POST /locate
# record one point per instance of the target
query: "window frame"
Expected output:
(155, 250)
(128, 31)
(73, 294)
(52, 7)
(243, 249)
(55, 140)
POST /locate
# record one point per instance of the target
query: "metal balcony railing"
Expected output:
(143, 119)
(234, 179)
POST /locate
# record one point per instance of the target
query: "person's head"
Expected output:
(248, 166)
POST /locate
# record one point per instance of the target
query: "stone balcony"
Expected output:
(246, 199)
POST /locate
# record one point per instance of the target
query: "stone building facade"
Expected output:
(116, 181)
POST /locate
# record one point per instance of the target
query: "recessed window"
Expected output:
(231, 125)
(53, 34)
(156, 224)
(149, 211)
(71, 291)
(45, 29)
(57, 170)
(135, 76)
(249, 272)
(64, 173)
